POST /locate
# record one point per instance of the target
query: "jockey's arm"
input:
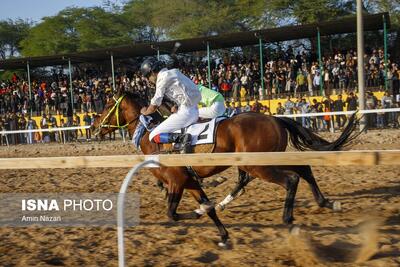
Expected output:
(156, 101)
(149, 110)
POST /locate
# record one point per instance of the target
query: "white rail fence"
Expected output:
(297, 115)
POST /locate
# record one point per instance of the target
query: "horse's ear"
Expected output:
(118, 91)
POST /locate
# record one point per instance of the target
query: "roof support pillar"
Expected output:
(385, 51)
(29, 87)
(261, 67)
(112, 72)
(321, 68)
(360, 62)
(209, 65)
(70, 83)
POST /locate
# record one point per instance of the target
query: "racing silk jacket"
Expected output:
(178, 88)
(209, 97)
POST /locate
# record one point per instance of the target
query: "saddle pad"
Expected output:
(202, 133)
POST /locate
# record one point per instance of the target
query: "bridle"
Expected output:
(104, 123)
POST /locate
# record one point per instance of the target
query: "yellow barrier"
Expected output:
(272, 102)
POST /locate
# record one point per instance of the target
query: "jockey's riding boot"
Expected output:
(182, 141)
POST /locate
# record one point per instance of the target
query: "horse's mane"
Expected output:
(142, 98)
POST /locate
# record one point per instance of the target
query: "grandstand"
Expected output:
(268, 77)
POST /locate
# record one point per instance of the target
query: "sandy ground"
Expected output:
(365, 233)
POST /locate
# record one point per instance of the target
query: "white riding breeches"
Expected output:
(213, 111)
(181, 119)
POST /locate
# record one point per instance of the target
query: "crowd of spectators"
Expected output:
(12, 122)
(308, 105)
(238, 78)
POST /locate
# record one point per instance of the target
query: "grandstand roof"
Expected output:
(345, 25)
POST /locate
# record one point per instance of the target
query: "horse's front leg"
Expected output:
(206, 206)
(175, 191)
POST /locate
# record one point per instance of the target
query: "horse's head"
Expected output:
(120, 111)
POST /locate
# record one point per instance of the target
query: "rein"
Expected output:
(116, 108)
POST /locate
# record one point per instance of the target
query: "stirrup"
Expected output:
(185, 144)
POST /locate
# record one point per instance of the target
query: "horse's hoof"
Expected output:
(294, 230)
(222, 244)
(220, 207)
(225, 245)
(241, 192)
(337, 206)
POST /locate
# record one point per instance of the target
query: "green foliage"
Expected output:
(80, 29)
(52, 36)
(190, 18)
(76, 29)
(306, 11)
(11, 34)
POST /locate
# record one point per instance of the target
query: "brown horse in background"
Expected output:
(246, 132)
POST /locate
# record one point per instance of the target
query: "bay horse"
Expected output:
(246, 132)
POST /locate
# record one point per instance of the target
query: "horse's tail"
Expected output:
(304, 139)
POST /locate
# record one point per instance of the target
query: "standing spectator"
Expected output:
(328, 107)
(387, 102)
(301, 82)
(317, 122)
(280, 110)
(236, 109)
(21, 126)
(380, 117)
(338, 106)
(257, 106)
(396, 79)
(317, 81)
(229, 109)
(88, 122)
(351, 102)
(31, 125)
(247, 108)
(289, 106)
(370, 103)
(304, 107)
(78, 123)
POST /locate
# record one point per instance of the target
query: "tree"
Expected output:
(77, 29)
(98, 29)
(194, 18)
(393, 7)
(11, 34)
(305, 11)
(55, 35)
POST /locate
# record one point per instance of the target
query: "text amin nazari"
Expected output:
(42, 218)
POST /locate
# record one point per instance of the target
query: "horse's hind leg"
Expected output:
(306, 173)
(285, 178)
(243, 180)
(292, 180)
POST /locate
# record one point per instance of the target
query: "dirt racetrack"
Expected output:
(365, 233)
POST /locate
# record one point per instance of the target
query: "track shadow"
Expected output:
(384, 192)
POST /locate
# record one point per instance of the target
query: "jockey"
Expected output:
(212, 102)
(178, 88)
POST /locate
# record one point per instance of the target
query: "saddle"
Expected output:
(203, 135)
